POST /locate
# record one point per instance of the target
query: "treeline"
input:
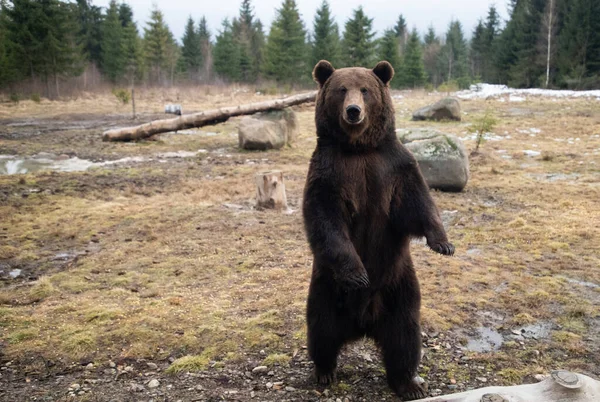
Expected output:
(544, 43)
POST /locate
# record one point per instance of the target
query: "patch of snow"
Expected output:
(483, 91)
(531, 153)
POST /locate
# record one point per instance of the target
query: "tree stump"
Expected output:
(270, 190)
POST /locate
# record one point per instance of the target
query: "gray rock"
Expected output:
(446, 109)
(154, 383)
(442, 158)
(268, 130)
(260, 369)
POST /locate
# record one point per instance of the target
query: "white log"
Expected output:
(270, 190)
(561, 386)
(205, 118)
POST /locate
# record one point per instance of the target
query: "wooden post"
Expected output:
(270, 190)
(133, 101)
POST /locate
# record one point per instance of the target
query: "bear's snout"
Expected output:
(353, 114)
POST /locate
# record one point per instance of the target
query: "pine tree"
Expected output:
(286, 51)
(90, 20)
(580, 45)
(387, 49)
(9, 72)
(431, 55)
(113, 52)
(326, 37)
(401, 30)
(454, 53)
(134, 57)
(249, 36)
(358, 46)
(414, 71)
(478, 50)
(226, 54)
(43, 34)
(158, 43)
(203, 35)
(125, 14)
(191, 52)
(490, 46)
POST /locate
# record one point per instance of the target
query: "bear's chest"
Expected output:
(366, 184)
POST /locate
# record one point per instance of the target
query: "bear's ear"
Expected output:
(323, 70)
(384, 71)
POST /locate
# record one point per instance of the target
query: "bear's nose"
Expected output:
(353, 113)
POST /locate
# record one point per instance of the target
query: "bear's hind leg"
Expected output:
(400, 342)
(327, 330)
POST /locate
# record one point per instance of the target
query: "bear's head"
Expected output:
(354, 106)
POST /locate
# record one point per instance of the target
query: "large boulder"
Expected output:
(442, 157)
(446, 109)
(268, 130)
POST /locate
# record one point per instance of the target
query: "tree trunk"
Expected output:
(560, 386)
(205, 118)
(550, 26)
(270, 190)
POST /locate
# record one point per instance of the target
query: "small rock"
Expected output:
(152, 366)
(199, 388)
(112, 364)
(260, 369)
(278, 385)
(137, 387)
(436, 392)
(452, 381)
(74, 387)
(262, 352)
(452, 387)
(269, 385)
(481, 379)
(154, 383)
(90, 366)
(129, 369)
(271, 373)
(292, 389)
(540, 377)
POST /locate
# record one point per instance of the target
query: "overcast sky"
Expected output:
(418, 13)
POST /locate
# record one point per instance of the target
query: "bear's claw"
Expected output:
(356, 280)
(445, 248)
(324, 378)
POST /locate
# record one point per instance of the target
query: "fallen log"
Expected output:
(205, 118)
(560, 386)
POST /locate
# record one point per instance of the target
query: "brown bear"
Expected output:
(364, 199)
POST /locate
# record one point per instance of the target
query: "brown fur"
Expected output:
(364, 199)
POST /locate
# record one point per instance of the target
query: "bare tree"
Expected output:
(549, 28)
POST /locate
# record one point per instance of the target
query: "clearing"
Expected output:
(137, 271)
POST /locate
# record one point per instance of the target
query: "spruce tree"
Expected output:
(579, 52)
(113, 52)
(125, 14)
(8, 71)
(286, 51)
(203, 35)
(387, 50)
(326, 37)
(134, 57)
(90, 20)
(490, 46)
(431, 54)
(478, 50)
(358, 48)
(453, 56)
(44, 38)
(249, 36)
(226, 54)
(191, 53)
(401, 31)
(414, 71)
(158, 44)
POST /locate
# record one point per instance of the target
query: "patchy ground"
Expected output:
(154, 265)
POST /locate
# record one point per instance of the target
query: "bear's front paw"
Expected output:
(444, 248)
(353, 278)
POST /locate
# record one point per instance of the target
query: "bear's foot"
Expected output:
(410, 391)
(324, 377)
(444, 248)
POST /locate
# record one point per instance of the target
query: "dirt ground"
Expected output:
(155, 278)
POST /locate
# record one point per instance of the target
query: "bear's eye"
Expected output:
(343, 90)
(364, 91)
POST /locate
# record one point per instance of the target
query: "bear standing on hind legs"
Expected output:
(364, 199)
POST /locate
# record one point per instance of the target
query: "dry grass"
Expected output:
(164, 269)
